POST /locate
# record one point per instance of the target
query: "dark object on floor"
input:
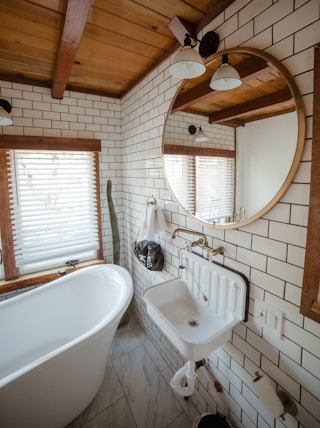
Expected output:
(212, 421)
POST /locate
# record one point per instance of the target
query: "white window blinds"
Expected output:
(203, 185)
(215, 188)
(53, 207)
(180, 170)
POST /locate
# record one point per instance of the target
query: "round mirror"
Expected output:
(229, 155)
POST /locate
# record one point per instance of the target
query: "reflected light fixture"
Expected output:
(5, 109)
(200, 136)
(188, 63)
(226, 77)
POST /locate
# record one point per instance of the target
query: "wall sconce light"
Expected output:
(200, 136)
(188, 63)
(226, 77)
(5, 109)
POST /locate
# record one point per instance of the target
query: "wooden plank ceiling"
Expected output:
(96, 46)
(107, 47)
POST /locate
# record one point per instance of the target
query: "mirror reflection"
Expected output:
(230, 154)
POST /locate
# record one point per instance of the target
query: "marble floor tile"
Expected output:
(135, 392)
(109, 393)
(150, 398)
(152, 350)
(118, 415)
(181, 422)
(125, 339)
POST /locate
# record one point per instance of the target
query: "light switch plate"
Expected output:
(269, 317)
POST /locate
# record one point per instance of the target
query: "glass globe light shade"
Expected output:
(226, 77)
(187, 64)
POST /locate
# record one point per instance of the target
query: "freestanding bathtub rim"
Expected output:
(125, 298)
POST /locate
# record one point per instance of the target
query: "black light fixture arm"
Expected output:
(188, 37)
(5, 105)
(207, 46)
(225, 59)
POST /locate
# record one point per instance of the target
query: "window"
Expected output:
(52, 203)
(215, 188)
(180, 171)
(203, 185)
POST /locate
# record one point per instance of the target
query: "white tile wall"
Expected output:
(77, 115)
(270, 251)
(219, 136)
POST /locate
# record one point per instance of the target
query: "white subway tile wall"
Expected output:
(270, 252)
(219, 136)
(77, 115)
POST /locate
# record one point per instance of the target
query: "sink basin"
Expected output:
(198, 311)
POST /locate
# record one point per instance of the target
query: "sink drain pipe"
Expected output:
(184, 379)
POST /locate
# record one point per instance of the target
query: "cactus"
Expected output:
(115, 241)
(114, 226)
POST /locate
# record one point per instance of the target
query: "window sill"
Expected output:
(39, 278)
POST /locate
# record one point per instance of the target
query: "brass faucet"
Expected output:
(215, 251)
(201, 242)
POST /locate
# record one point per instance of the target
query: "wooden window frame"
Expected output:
(310, 298)
(12, 142)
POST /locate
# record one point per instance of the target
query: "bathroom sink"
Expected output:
(198, 311)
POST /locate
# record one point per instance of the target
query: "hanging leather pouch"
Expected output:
(149, 254)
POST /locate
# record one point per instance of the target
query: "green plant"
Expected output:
(114, 226)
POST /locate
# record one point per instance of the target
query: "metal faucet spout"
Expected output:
(203, 241)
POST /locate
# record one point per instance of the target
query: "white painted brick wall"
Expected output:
(77, 115)
(219, 136)
(270, 251)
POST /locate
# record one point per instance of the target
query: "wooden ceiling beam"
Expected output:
(75, 20)
(179, 27)
(254, 105)
(249, 68)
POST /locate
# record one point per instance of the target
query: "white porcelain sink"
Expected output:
(198, 311)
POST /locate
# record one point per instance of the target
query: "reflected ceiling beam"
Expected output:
(251, 106)
(232, 122)
(75, 20)
(248, 69)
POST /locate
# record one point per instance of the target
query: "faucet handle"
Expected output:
(188, 246)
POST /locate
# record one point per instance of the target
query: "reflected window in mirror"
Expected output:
(204, 184)
(201, 174)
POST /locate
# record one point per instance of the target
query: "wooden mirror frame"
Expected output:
(310, 298)
(299, 147)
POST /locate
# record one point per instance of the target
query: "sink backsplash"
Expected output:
(216, 286)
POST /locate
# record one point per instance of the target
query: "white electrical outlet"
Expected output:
(269, 317)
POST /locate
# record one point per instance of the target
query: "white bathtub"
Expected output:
(54, 342)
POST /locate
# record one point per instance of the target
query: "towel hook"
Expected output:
(151, 200)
